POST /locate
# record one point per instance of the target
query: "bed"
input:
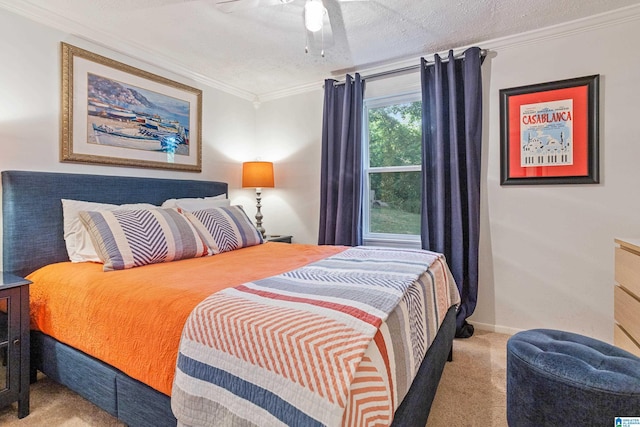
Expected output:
(33, 238)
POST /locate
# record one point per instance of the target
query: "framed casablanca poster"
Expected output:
(549, 133)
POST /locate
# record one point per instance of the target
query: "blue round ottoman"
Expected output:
(557, 378)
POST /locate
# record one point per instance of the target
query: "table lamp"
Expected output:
(258, 175)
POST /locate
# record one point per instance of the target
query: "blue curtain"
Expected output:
(451, 145)
(341, 167)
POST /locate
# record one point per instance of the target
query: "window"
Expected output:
(392, 164)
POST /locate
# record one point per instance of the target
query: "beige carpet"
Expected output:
(471, 393)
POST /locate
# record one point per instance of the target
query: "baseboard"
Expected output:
(495, 328)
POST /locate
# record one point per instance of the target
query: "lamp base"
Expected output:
(259, 214)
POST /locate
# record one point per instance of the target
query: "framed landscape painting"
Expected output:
(116, 114)
(549, 133)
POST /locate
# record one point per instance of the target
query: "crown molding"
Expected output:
(125, 47)
(583, 25)
(159, 60)
(296, 90)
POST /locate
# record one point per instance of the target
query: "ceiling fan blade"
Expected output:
(319, 41)
(333, 36)
(335, 22)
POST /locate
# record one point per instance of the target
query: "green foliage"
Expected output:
(387, 220)
(397, 190)
(395, 134)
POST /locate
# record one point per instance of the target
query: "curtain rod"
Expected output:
(483, 52)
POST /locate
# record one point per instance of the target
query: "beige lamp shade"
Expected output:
(257, 174)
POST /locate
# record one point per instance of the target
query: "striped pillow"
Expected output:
(224, 229)
(131, 238)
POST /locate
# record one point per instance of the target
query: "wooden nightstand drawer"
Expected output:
(627, 271)
(627, 312)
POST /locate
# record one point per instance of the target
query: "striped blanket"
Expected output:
(336, 342)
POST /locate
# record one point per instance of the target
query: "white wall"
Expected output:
(546, 251)
(30, 110)
(289, 131)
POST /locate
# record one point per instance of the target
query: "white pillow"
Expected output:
(196, 204)
(76, 237)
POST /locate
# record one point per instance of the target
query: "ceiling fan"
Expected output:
(317, 18)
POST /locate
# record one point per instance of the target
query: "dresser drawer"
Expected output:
(627, 312)
(628, 270)
(624, 341)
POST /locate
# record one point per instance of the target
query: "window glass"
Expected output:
(395, 135)
(396, 208)
(392, 163)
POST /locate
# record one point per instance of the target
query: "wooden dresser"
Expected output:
(627, 296)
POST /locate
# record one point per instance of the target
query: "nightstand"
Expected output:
(278, 238)
(14, 342)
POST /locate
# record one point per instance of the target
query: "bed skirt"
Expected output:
(137, 404)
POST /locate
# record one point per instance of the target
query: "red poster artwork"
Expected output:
(550, 131)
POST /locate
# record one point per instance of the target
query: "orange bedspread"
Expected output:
(133, 319)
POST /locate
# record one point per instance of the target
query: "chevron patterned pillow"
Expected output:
(224, 229)
(131, 238)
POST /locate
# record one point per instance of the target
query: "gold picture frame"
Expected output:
(115, 114)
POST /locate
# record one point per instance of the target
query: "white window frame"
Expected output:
(383, 239)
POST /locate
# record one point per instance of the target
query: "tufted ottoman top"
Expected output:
(584, 361)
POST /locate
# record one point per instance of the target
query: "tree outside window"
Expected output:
(392, 161)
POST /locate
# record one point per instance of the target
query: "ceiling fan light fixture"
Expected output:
(314, 15)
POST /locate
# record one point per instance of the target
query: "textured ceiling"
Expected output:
(260, 50)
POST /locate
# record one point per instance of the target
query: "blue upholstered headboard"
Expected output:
(32, 232)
